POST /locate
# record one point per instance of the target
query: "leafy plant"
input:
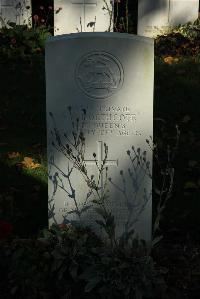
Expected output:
(71, 145)
(139, 170)
(19, 41)
(190, 30)
(181, 41)
(163, 182)
(72, 262)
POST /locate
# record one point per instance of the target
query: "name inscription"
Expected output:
(108, 120)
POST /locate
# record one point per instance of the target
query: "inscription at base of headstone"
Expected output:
(72, 16)
(100, 127)
(156, 17)
(15, 11)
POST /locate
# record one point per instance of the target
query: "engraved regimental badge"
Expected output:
(99, 75)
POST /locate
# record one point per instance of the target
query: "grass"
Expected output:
(22, 116)
(177, 97)
(23, 130)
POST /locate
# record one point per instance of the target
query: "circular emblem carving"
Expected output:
(99, 75)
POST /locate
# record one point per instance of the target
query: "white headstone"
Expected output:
(72, 16)
(15, 11)
(104, 82)
(157, 16)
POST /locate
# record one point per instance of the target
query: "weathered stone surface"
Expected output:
(100, 84)
(158, 16)
(72, 16)
(15, 11)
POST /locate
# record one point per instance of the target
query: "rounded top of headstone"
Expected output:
(100, 35)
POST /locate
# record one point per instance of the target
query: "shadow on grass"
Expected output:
(176, 102)
(23, 201)
(23, 198)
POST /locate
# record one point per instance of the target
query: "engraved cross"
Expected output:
(84, 3)
(99, 162)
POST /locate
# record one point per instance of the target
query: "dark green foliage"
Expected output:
(23, 194)
(176, 44)
(176, 102)
(74, 263)
(24, 270)
(19, 41)
(181, 42)
(180, 257)
(191, 30)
